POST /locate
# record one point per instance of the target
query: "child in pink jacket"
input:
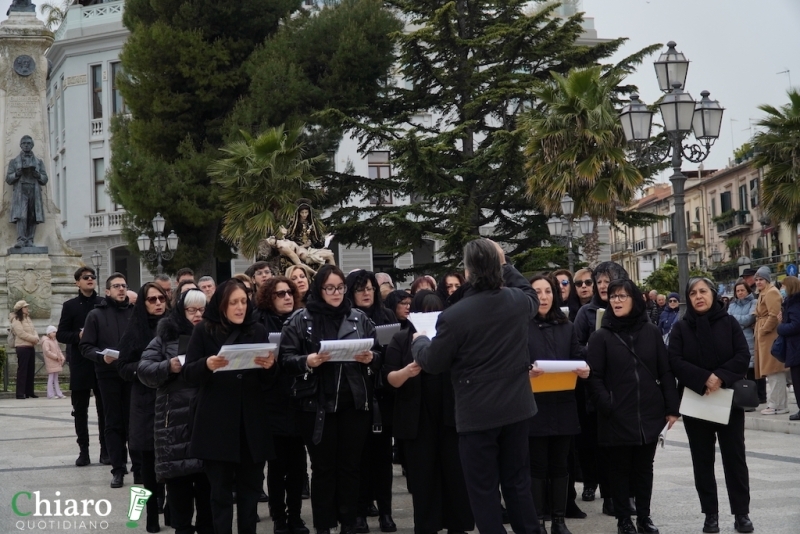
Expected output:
(53, 362)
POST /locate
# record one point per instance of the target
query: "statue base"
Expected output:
(27, 250)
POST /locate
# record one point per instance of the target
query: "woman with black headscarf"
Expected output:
(376, 462)
(334, 398)
(148, 310)
(425, 425)
(229, 424)
(633, 388)
(708, 351)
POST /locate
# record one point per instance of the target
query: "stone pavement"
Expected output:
(38, 450)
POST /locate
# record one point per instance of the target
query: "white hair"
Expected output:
(194, 298)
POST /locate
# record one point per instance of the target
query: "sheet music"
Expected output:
(111, 353)
(662, 437)
(599, 320)
(385, 332)
(182, 359)
(275, 337)
(425, 322)
(344, 350)
(559, 366)
(243, 356)
(714, 407)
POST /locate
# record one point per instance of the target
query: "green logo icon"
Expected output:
(139, 497)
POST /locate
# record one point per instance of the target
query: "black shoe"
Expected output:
(588, 493)
(387, 524)
(573, 512)
(625, 526)
(21, 397)
(347, 529)
(117, 480)
(306, 493)
(608, 506)
(795, 417)
(153, 528)
(711, 524)
(645, 526)
(83, 459)
(361, 526)
(104, 459)
(33, 396)
(263, 497)
(558, 526)
(280, 526)
(297, 525)
(742, 523)
(322, 530)
(372, 511)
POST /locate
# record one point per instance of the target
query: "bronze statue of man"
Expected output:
(21, 5)
(27, 174)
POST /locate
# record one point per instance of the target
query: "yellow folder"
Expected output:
(554, 382)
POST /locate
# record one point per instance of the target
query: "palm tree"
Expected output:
(55, 13)
(777, 150)
(576, 146)
(260, 179)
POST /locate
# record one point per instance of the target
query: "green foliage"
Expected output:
(733, 244)
(636, 219)
(724, 216)
(54, 13)
(743, 151)
(260, 179)
(665, 278)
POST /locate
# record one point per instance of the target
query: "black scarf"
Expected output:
(633, 322)
(327, 318)
(701, 324)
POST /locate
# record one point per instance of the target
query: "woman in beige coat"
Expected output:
(766, 330)
(53, 362)
(25, 339)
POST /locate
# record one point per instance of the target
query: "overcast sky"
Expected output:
(736, 49)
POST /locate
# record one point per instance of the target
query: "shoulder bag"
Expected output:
(745, 394)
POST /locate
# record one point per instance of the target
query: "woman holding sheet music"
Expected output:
(228, 424)
(708, 350)
(334, 398)
(633, 388)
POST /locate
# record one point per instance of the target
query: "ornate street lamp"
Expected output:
(561, 226)
(97, 261)
(716, 255)
(164, 247)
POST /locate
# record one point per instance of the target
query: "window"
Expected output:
(713, 207)
(379, 168)
(56, 114)
(725, 203)
(64, 197)
(754, 193)
(382, 261)
(97, 91)
(100, 196)
(743, 197)
(117, 102)
(60, 109)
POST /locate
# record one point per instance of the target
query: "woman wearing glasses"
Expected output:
(399, 302)
(633, 389)
(334, 399)
(670, 315)
(584, 285)
(187, 486)
(150, 306)
(568, 294)
(276, 299)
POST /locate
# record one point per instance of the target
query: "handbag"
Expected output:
(778, 349)
(745, 394)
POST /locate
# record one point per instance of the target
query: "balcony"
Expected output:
(736, 223)
(80, 20)
(105, 223)
(97, 128)
(666, 241)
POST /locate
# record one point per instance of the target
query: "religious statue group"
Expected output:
(303, 242)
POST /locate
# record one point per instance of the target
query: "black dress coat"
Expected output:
(631, 406)
(73, 317)
(789, 328)
(103, 330)
(558, 410)
(282, 410)
(586, 320)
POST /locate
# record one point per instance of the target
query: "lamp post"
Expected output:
(97, 261)
(716, 255)
(681, 115)
(561, 226)
(164, 247)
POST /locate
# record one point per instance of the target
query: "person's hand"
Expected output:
(265, 361)
(175, 365)
(412, 369)
(583, 372)
(671, 420)
(317, 359)
(216, 362)
(535, 372)
(108, 359)
(418, 334)
(363, 357)
(713, 384)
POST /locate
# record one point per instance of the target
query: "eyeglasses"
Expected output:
(365, 289)
(404, 304)
(673, 300)
(330, 290)
(192, 311)
(119, 286)
(156, 298)
(564, 282)
(88, 277)
(581, 283)
(283, 292)
(619, 296)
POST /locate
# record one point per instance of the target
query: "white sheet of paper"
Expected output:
(714, 407)
(111, 353)
(559, 366)
(425, 322)
(275, 337)
(182, 359)
(243, 356)
(599, 320)
(565, 310)
(662, 437)
(344, 350)
(385, 332)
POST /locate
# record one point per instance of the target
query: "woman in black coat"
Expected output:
(399, 303)
(789, 328)
(708, 350)
(149, 309)
(633, 389)
(229, 418)
(276, 299)
(160, 369)
(552, 337)
(376, 462)
(334, 398)
(425, 425)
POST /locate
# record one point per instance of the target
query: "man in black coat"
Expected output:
(482, 340)
(82, 380)
(103, 329)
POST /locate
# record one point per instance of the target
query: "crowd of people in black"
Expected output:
(477, 446)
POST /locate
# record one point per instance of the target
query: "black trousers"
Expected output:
(761, 385)
(148, 472)
(795, 371)
(630, 474)
(185, 495)
(80, 411)
(499, 457)
(26, 368)
(586, 443)
(335, 464)
(702, 437)
(286, 476)
(376, 471)
(116, 395)
(549, 456)
(246, 479)
(435, 479)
